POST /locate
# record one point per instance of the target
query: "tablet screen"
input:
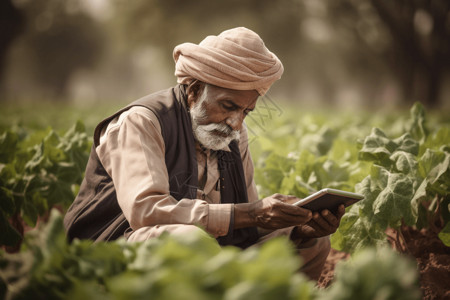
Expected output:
(329, 199)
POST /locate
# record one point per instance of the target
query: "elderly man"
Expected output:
(178, 160)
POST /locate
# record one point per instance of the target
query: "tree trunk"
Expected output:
(11, 26)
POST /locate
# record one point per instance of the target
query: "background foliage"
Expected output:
(368, 53)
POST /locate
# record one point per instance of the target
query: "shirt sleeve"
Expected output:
(132, 151)
(247, 164)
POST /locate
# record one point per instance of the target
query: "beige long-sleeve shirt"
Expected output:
(132, 151)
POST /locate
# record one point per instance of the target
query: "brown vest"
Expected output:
(95, 213)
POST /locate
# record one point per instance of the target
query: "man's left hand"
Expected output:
(321, 224)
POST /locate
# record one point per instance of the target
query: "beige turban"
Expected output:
(235, 59)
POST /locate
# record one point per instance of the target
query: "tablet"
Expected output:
(329, 199)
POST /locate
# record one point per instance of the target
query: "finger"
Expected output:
(285, 198)
(283, 213)
(296, 210)
(280, 221)
(278, 196)
(322, 222)
(330, 218)
(292, 199)
(316, 228)
(290, 220)
(297, 218)
(341, 211)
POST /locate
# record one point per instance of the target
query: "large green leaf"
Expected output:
(407, 144)
(419, 196)
(359, 228)
(393, 204)
(377, 147)
(434, 164)
(405, 162)
(438, 140)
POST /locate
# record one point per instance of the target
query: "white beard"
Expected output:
(205, 135)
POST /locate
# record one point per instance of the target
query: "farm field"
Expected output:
(392, 245)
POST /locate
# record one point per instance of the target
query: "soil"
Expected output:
(431, 255)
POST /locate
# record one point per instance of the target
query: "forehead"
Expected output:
(241, 98)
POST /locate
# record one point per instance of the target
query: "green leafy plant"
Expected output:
(405, 180)
(301, 156)
(193, 267)
(179, 267)
(409, 184)
(38, 172)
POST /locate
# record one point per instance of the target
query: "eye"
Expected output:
(228, 106)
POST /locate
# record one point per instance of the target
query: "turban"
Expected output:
(235, 59)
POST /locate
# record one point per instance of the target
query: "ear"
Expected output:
(193, 91)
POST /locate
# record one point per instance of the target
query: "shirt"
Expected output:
(132, 151)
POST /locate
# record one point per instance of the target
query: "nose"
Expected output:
(235, 120)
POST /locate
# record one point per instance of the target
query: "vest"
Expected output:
(95, 213)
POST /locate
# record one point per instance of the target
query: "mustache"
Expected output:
(222, 128)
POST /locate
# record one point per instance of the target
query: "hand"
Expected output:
(272, 212)
(322, 224)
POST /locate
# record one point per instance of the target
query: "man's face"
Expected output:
(217, 113)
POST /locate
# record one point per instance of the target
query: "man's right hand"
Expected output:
(273, 212)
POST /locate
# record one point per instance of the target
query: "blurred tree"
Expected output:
(408, 41)
(332, 50)
(11, 25)
(323, 43)
(59, 39)
(421, 44)
(167, 23)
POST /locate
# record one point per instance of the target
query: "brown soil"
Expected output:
(433, 263)
(327, 275)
